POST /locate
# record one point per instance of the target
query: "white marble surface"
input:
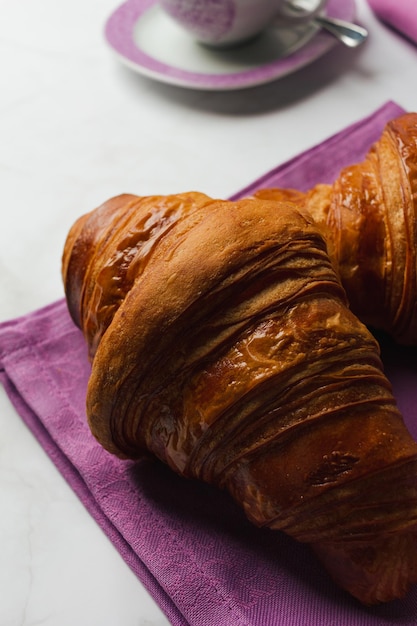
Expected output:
(76, 128)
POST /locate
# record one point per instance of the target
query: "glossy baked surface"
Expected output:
(222, 342)
(368, 217)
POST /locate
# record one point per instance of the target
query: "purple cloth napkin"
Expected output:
(188, 543)
(400, 14)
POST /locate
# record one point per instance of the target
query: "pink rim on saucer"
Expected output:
(121, 33)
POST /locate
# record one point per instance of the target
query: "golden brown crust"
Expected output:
(228, 351)
(123, 231)
(369, 219)
(84, 241)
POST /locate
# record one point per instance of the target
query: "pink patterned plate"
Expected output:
(149, 42)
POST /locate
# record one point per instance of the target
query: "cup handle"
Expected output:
(300, 10)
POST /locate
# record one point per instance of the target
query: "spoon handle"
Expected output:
(350, 34)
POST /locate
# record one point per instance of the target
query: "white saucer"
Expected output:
(149, 42)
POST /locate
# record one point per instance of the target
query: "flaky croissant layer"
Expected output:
(221, 341)
(368, 217)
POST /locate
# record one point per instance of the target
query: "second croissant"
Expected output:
(369, 219)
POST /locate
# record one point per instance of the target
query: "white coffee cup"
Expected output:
(230, 22)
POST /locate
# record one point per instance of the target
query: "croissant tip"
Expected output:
(374, 572)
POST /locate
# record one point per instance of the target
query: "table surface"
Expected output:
(76, 128)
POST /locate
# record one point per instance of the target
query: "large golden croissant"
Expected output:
(221, 341)
(369, 219)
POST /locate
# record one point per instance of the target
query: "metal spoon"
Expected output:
(350, 34)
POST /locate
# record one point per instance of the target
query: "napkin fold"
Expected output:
(188, 543)
(400, 14)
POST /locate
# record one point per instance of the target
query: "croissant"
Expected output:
(222, 343)
(369, 219)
